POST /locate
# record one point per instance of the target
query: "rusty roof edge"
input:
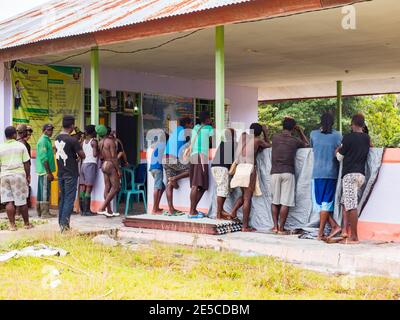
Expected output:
(102, 37)
(123, 25)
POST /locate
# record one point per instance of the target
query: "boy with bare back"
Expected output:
(110, 168)
(245, 176)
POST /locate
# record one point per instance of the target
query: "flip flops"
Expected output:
(175, 214)
(199, 215)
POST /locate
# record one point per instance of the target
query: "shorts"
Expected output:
(352, 184)
(221, 177)
(88, 174)
(158, 179)
(14, 188)
(198, 173)
(283, 186)
(175, 167)
(323, 192)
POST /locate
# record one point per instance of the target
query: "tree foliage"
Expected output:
(381, 113)
(383, 119)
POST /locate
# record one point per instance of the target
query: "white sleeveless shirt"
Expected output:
(88, 150)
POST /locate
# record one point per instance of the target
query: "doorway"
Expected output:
(128, 133)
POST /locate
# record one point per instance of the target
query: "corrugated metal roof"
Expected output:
(65, 18)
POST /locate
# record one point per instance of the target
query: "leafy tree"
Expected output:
(381, 113)
(383, 120)
(306, 112)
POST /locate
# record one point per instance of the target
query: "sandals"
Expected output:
(176, 213)
(199, 215)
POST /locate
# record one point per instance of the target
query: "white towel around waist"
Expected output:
(242, 178)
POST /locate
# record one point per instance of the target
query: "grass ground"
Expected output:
(4, 224)
(93, 271)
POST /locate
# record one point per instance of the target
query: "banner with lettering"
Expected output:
(44, 94)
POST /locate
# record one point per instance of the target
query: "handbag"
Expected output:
(188, 150)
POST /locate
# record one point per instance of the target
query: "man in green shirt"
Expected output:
(198, 173)
(45, 166)
(15, 177)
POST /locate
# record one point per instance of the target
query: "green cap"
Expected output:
(101, 130)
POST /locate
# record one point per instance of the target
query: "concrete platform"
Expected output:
(182, 224)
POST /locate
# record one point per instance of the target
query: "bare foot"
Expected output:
(335, 232)
(349, 241)
(226, 216)
(157, 211)
(12, 227)
(171, 212)
(344, 235)
(28, 226)
(274, 230)
(284, 232)
(322, 238)
(249, 229)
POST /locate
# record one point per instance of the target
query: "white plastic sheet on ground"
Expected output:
(39, 250)
(303, 215)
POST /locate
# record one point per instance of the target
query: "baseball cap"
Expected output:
(48, 126)
(22, 128)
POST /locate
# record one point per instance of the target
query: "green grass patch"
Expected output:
(93, 271)
(4, 224)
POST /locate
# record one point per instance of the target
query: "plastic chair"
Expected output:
(130, 189)
(141, 176)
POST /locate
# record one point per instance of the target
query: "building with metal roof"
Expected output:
(217, 50)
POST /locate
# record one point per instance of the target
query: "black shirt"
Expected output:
(28, 147)
(355, 149)
(67, 149)
(225, 155)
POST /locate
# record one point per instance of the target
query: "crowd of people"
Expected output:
(78, 156)
(234, 165)
(186, 153)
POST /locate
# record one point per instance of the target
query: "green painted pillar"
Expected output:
(339, 105)
(219, 82)
(94, 85)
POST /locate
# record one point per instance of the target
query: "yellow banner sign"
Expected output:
(44, 94)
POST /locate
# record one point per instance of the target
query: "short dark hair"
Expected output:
(327, 123)
(288, 123)
(68, 121)
(358, 120)
(9, 132)
(184, 121)
(16, 81)
(108, 130)
(90, 129)
(257, 129)
(204, 116)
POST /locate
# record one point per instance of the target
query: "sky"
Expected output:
(11, 8)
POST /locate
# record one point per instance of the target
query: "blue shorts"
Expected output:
(323, 192)
(158, 179)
